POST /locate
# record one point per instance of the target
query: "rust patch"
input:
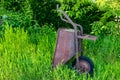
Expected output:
(65, 47)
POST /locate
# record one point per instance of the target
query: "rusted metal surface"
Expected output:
(65, 48)
(86, 36)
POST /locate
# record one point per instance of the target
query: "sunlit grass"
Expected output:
(29, 57)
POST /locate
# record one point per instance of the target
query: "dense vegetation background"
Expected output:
(28, 32)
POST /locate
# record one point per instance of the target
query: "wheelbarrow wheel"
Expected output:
(85, 65)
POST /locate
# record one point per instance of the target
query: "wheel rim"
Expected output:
(84, 66)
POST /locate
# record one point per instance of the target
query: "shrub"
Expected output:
(82, 12)
(43, 11)
(107, 24)
(97, 17)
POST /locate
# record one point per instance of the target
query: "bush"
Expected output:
(96, 17)
(22, 16)
(17, 19)
(43, 11)
(82, 12)
(107, 24)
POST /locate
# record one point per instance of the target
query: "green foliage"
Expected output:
(88, 13)
(22, 17)
(43, 31)
(17, 19)
(27, 54)
(16, 5)
(97, 17)
(82, 12)
(20, 59)
(107, 24)
(43, 11)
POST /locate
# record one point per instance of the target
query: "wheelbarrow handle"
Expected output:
(68, 20)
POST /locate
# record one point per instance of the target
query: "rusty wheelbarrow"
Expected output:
(69, 44)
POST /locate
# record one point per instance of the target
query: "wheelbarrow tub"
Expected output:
(65, 46)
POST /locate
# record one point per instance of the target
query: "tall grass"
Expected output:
(19, 58)
(26, 56)
(105, 53)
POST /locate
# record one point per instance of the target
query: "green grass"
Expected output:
(26, 56)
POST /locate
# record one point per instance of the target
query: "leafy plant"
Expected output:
(107, 24)
(82, 12)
